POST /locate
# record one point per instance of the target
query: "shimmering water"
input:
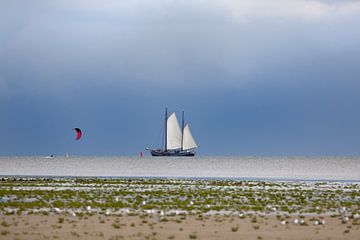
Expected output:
(292, 168)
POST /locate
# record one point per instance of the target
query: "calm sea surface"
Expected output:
(281, 168)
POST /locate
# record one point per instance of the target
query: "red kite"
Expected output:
(78, 133)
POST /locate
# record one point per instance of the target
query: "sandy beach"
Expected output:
(128, 208)
(62, 226)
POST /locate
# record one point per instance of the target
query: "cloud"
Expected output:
(306, 10)
(65, 44)
(241, 11)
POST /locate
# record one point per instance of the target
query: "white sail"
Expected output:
(188, 140)
(173, 133)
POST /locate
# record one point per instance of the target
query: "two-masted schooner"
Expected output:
(178, 142)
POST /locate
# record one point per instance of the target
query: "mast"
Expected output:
(166, 129)
(182, 130)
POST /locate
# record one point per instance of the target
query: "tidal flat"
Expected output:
(163, 208)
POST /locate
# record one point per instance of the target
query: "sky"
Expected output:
(255, 78)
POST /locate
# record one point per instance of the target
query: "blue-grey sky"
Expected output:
(254, 77)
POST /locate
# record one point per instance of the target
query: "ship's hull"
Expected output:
(163, 153)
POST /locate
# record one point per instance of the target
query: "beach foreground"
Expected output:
(175, 227)
(143, 208)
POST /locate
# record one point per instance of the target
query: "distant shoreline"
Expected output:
(25, 177)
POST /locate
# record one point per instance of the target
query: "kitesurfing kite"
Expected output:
(78, 133)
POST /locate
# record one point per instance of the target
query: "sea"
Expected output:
(246, 168)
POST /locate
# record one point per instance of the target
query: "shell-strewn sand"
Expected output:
(128, 208)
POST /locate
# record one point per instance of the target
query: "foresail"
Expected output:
(188, 141)
(173, 133)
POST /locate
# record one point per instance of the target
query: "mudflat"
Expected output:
(128, 208)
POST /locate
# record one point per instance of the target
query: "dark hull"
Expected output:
(162, 153)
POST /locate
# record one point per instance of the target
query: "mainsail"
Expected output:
(173, 133)
(188, 140)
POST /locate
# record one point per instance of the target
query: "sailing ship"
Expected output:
(178, 142)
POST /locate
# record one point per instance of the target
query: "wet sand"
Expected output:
(60, 226)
